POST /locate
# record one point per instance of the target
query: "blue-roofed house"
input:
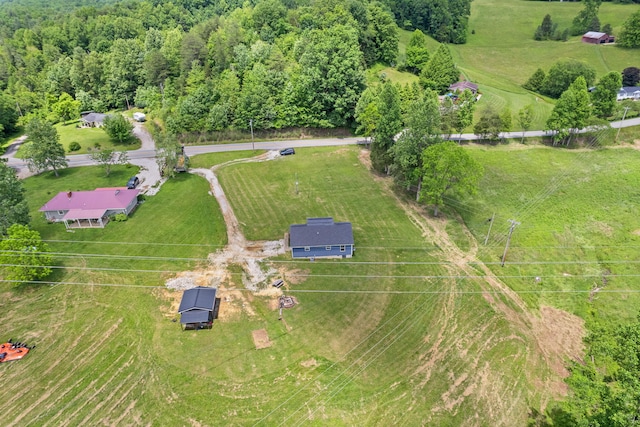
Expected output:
(198, 307)
(321, 237)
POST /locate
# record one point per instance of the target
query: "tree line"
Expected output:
(204, 68)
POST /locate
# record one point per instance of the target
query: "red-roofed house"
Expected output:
(89, 209)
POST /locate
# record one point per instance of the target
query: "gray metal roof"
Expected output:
(198, 298)
(194, 316)
(594, 34)
(320, 232)
(94, 117)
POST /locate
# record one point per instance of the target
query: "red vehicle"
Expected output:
(13, 351)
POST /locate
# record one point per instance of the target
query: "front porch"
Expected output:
(86, 223)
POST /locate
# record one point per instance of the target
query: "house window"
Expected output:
(307, 248)
(342, 248)
(328, 248)
(60, 212)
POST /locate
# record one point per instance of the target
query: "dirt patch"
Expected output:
(172, 300)
(636, 232)
(296, 276)
(261, 339)
(309, 363)
(365, 158)
(559, 335)
(602, 227)
(233, 303)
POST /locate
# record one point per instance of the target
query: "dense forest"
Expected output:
(205, 65)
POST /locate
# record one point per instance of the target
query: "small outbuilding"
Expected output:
(596, 37)
(321, 238)
(198, 308)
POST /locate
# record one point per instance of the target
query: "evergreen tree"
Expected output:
(440, 72)
(535, 82)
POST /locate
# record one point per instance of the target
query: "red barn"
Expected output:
(595, 37)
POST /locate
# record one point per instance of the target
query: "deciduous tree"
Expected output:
(489, 126)
(422, 130)
(417, 53)
(8, 114)
(109, 158)
(465, 106)
(388, 126)
(571, 112)
(630, 35)
(118, 128)
(66, 108)
(13, 206)
(630, 76)
(327, 85)
(448, 170)
(525, 118)
(23, 255)
(563, 73)
(605, 94)
(43, 149)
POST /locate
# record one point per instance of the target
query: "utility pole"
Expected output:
(127, 99)
(19, 110)
(253, 147)
(506, 247)
(486, 239)
(620, 126)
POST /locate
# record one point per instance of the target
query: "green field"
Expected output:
(422, 327)
(502, 53)
(405, 322)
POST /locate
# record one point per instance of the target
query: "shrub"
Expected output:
(74, 146)
(121, 217)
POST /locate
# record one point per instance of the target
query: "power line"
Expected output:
(360, 276)
(354, 291)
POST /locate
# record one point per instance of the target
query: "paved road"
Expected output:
(146, 154)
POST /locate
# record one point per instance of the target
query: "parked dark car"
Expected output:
(287, 152)
(133, 182)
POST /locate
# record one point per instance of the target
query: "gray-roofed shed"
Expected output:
(197, 307)
(198, 298)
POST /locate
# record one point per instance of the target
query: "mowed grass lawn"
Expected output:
(385, 337)
(89, 139)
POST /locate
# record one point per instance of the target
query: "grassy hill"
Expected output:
(501, 54)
